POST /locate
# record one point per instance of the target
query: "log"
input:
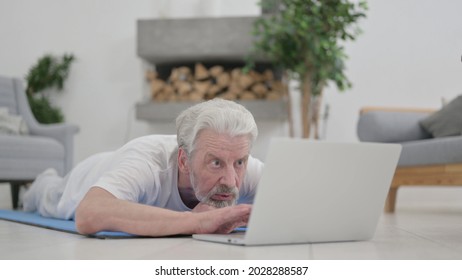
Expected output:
(235, 74)
(257, 77)
(156, 86)
(196, 96)
(223, 80)
(160, 97)
(248, 95)
(273, 95)
(174, 76)
(268, 75)
(215, 71)
(202, 83)
(151, 75)
(182, 97)
(200, 72)
(229, 96)
(169, 90)
(180, 74)
(245, 81)
(213, 91)
(260, 90)
(235, 89)
(277, 86)
(171, 98)
(183, 88)
(202, 87)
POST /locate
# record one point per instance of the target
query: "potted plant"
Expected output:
(304, 37)
(49, 72)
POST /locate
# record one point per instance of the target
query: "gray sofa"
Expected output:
(24, 156)
(425, 160)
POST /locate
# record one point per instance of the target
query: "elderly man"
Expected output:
(162, 185)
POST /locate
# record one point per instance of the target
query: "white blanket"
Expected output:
(12, 124)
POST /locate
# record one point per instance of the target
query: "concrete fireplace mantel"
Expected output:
(171, 41)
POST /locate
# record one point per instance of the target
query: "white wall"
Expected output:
(107, 79)
(409, 55)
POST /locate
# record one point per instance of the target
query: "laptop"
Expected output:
(314, 191)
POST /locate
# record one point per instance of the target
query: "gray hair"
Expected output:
(219, 115)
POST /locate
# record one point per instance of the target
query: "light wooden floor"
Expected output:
(427, 225)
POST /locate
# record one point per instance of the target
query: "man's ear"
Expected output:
(183, 163)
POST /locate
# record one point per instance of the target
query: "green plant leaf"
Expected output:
(49, 72)
(305, 36)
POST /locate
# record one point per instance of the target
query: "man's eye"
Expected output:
(215, 163)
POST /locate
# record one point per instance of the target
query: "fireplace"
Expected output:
(191, 59)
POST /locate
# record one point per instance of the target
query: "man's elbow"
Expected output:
(86, 222)
(90, 215)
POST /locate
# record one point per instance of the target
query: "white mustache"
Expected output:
(222, 189)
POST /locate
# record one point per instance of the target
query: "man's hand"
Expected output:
(222, 220)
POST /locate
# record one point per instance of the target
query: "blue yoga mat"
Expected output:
(35, 219)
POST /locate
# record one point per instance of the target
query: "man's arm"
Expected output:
(100, 210)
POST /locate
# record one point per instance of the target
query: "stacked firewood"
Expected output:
(184, 84)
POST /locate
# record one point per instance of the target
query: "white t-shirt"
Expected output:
(144, 170)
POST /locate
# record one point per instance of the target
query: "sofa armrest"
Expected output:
(59, 131)
(391, 125)
(63, 133)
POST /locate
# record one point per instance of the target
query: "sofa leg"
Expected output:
(15, 187)
(391, 199)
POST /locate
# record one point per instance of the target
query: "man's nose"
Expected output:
(229, 176)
